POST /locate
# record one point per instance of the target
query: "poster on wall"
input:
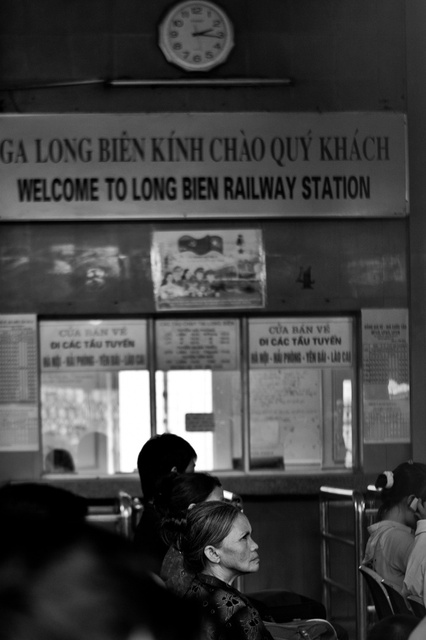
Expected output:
(220, 269)
(18, 383)
(386, 382)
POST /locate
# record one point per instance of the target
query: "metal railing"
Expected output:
(121, 513)
(362, 515)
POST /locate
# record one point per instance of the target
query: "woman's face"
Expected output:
(238, 551)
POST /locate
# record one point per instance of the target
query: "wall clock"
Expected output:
(196, 35)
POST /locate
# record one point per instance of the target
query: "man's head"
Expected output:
(160, 455)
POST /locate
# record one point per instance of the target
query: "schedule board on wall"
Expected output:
(18, 383)
(197, 344)
(386, 383)
(285, 415)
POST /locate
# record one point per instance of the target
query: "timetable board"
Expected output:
(386, 383)
(18, 383)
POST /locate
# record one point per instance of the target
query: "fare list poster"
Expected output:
(197, 344)
(386, 383)
(18, 383)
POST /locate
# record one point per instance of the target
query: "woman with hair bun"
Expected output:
(217, 547)
(177, 493)
(392, 536)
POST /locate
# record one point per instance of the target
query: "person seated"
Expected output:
(217, 547)
(59, 461)
(415, 575)
(391, 538)
(177, 493)
(396, 627)
(159, 456)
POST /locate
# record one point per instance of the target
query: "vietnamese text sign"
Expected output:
(93, 345)
(197, 344)
(181, 165)
(277, 343)
(386, 375)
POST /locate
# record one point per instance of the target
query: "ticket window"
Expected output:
(96, 392)
(297, 409)
(301, 391)
(94, 396)
(198, 388)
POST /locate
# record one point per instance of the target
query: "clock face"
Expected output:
(196, 36)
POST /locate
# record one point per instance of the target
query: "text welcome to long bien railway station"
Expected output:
(202, 163)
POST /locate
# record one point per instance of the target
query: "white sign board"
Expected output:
(93, 345)
(279, 343)
(197, 344)
(196, 165)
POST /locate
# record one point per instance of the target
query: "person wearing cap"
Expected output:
(391, 538)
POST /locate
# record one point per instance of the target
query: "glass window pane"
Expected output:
(301, 388)
(100, 418)
(198, 388)
(95, 406)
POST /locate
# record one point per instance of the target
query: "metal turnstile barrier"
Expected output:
(362, 513)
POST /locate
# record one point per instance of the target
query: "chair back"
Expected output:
(379, 595)
(417, 605)
(398, 602)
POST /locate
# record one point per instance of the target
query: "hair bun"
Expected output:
(385, 480)
(389, 479)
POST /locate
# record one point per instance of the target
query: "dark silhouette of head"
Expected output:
(40, 500)
(59, 461)
(408, 478)
(176, 493)
(160, 455)
(83, 583)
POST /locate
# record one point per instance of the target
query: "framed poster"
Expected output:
(201, 270)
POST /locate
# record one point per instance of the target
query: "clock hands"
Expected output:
(206, 33)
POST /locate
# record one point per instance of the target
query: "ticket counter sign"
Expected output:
(104, 345)
(280, 343)
(202, 165)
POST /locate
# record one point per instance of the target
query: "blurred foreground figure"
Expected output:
(72, 581)
(397, 627)
(40, 500)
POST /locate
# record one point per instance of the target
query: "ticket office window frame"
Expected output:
(320, 401)
(246, 463)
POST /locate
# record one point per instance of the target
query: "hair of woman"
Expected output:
(207, 523)
(408, 478)
(176, 492)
